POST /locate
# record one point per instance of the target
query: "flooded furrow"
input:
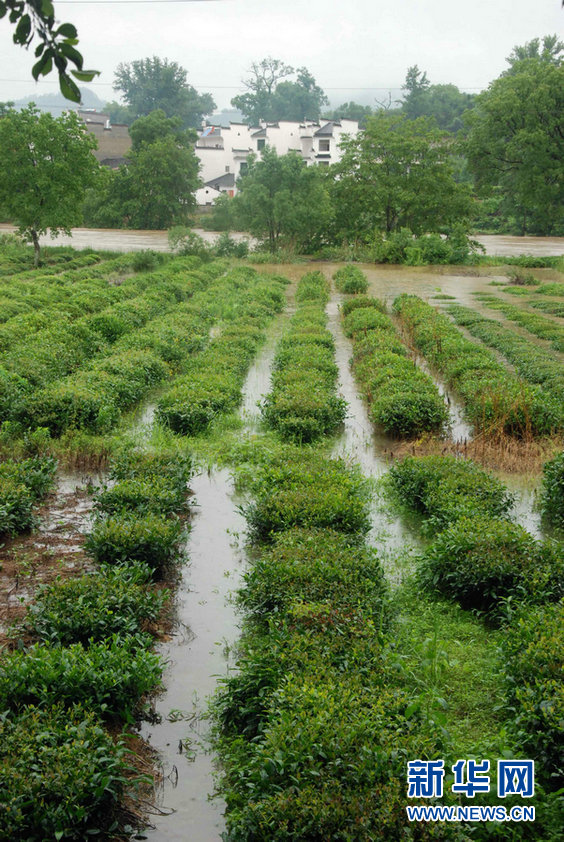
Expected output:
(373, 451)
(199, 651)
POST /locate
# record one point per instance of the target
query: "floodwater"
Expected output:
(122, 240)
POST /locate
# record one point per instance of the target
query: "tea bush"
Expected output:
(21, 484)
(403, 400)
(61, 775)
(302, 404)
(553, 490)
(93, 607)
(533, 363)
(311, 492)
(350, 279)
(532, 657)
(481, 562)
(494, 399)
(360, 301)
(109, 677)
(314, 566)
(124, 538)
(535, 324)
(446, 488)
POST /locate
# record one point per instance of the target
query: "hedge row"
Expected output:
(493, 398)
(493, 566)
(403, 400)
(552, 496)
(92, 664)
(554, 308)
(94, 397)
(213, 380)
(302, 404)
(350, 279)
(535, 324)
(533, 363)
(22, 483)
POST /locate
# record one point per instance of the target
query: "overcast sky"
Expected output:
(355, 48)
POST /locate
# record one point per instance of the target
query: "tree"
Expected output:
(445, 103)
(515, 145)
(397, 174)
(57, 42)
(268, 98)
(283, 200)
(155, 189)
(152, 83)
(350, 111)
(47, 164)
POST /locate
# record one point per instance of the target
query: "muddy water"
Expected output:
(199, 651)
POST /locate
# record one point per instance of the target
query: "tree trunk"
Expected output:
(36, 247)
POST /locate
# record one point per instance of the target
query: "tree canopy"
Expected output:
(445, 103)
(283, 200)
(269, 98)
(156, 188)
(515, 145)
(56, 48)
(152, 83)
(397, 174)
(47, 164)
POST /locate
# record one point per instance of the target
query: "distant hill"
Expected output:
(55, 103)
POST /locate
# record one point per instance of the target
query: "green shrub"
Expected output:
(153, 494)
(123, 538)
(313, 287)
(311, 492)
(446, 488)
(93, 607)
(365, 319)
(360, 301)
(61, 775)
(532, 657)
(553, 490)
(314, 566)
(191, 406)
(481, 562)
(109, 677)
(21, 484)
(350, 279)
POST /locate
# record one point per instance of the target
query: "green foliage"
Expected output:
(361, 301)
(445, 103)
(152, 84)
(92, 608)
(403, 400)
(532, 655)
(481, 562)
(535, 324)
(553, 490)
(403, 247)
(53, 159)
(308, 492)
(21, 484)
(283, 201)
(268, 98)
(109, 677)
(515, 143)
(350, 279)
(396, 174)
(446, 488)
(61, 775)
(124, 538)
(494, 399)
(314, 566)
(56, 43)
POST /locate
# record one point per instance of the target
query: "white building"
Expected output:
(223, 150)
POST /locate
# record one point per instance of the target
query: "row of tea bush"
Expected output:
(53, 352)
(22, 484)
(212, 381)
(90, 663)
(403, 400)
(532, 362)
(302, 404)
(532, 322)
(494, 399)
(495, 567)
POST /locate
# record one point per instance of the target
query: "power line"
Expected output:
(240, 87)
